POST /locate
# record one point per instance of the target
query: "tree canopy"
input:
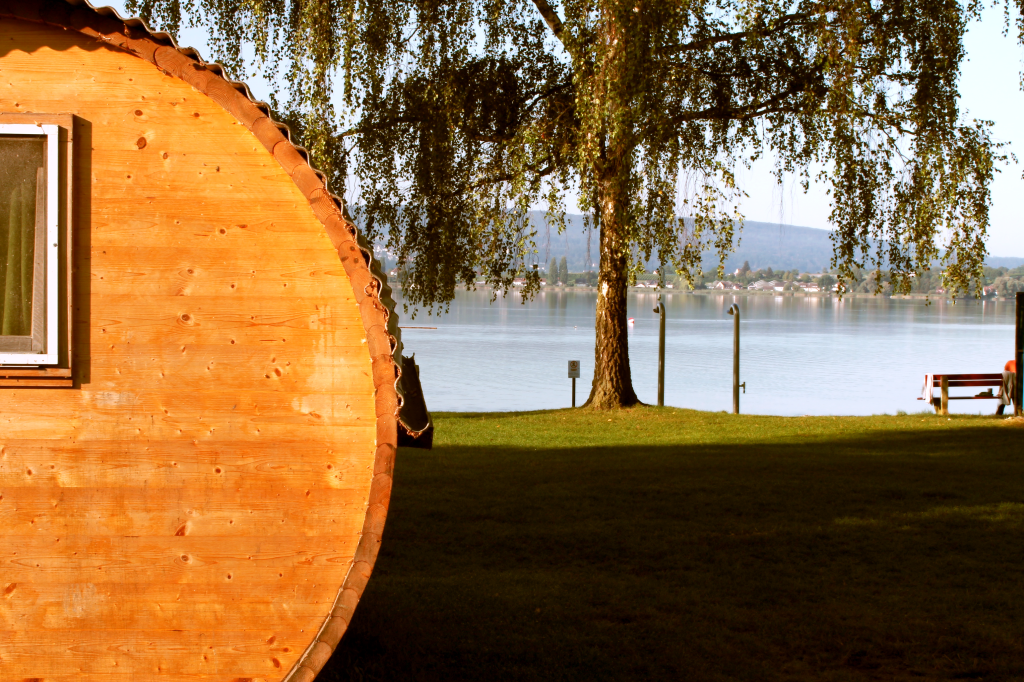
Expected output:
(454, 117)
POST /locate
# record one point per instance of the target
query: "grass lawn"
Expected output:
(666, 544)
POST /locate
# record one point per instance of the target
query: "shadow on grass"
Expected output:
(893, 555)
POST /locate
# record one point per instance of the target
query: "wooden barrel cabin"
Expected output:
(198, 366)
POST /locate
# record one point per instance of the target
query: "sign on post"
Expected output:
(574, 374)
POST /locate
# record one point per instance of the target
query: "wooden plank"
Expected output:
(133, 606)
(243, 465)
(170, 409)
(217, 272)
(969, 382)
(245, 652)
(973, 397)
(206, 511)
(188, 319)
(203, 227)
(274, 582)
(260, 355)
(345, 438)
(39, 372)
(247, 368)
(184, 462)
(937, 378)
(178, 559)
(225, 330)
(334, 312)
(974, 382)
(37, 382)
(161, 673)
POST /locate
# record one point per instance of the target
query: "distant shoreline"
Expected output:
(745, 292)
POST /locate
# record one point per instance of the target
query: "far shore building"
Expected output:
(762, 285)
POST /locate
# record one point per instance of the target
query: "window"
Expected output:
(34, 295)
(28, 243)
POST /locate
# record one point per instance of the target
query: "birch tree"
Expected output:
(454, 117)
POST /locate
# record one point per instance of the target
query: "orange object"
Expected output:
(1010, 366)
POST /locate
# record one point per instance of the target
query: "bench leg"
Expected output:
(999, 410)
(936, 405)
(945, 395)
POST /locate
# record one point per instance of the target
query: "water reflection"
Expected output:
(800, 355)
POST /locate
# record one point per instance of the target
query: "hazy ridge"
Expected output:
(763, 245)
(775, 245)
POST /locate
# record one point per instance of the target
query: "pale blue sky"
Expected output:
(990, 89)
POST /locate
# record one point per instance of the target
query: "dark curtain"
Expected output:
(16, 255)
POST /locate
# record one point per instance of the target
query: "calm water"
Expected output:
(798, 355)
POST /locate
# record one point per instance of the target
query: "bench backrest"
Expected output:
(968, 379)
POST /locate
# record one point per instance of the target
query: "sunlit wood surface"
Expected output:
(193, 508)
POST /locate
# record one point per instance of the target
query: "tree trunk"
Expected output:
(613, 385)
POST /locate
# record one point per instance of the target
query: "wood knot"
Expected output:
(141, 143)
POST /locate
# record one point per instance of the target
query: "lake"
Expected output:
(799, 355)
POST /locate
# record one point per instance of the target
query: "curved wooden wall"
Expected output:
(207, 504)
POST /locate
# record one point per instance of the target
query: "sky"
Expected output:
(989, 87)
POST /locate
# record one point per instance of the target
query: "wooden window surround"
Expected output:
(42, 357)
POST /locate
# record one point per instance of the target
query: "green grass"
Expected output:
(664, 544)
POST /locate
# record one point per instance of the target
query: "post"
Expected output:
(661, 351)
(1018, 356)
(945, 395)
(734, 310)
(574, 374)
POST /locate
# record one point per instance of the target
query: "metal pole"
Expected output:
(661, 352)
(1018, 356)
(734, 310)
(574, 391)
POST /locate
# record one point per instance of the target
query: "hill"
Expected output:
(781, 247)
(763, 245)
(774, 245)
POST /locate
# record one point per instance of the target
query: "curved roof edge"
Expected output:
(373, 295)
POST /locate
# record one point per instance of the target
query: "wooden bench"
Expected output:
(944, 382)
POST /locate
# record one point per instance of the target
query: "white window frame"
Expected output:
(52, 256)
